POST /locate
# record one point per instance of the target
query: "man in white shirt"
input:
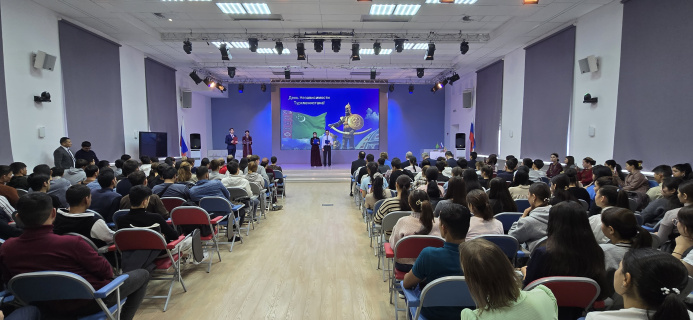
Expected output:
(326, 142)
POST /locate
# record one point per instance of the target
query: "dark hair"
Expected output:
(205, 162)
(650, 271)
(81, 163)
(527, 162)
(119, 163)
(571, 247)
(488, 171)
(448, 153)
(539, 163)
(601, 171)
(419, 202)
(5, 170)
(662, 169)
(125, 157)
(457, 171)
(169, 173)
(381, 161)
(626, 226)
(606, 181)
(202, 171)
(498, 191)
(521, 178)
(105, 178)
(511, 163)
(91, 170)
(248, 131)
(36, 181)
(104, 164)
(571, 173)
(471, 180)
(555, 154)
(472, 155)
(571, 161)
(34, 209)
(479, 200)
(138, 194)
(362, 154)
(425, 162)
(432, 183)
(129, 167)
(214, 165)
(561, 183)
(377, 184)
(370, 157)
(614, 196)
(412, 162)
(440, 165)
(404, 183)
(273, 159)
(86, 144)
(137, 178)
(75, 194)
(16, 167)
(541, 191)
(145, 160)
(685, 216)
(589, 160)
(169, 160)
(686, 169)
(492, 159)
(396, 163)
(510, 156)
(230, 129)
(371, 169)
(462, 163)
(243, 164)
(457, 191)
(63, 139)
(232, 167)
(686, 188)
(673, 185)
(42, 169)
(615, 166)
(455, 218)
(636, 164)
(57, 172)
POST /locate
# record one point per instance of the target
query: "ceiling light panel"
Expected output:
(371, 51)
(408, 45)
(285, 51)
(272, 51)
(238, 44)
(382, 9)
(217, 44)
(257, 8)
(406, 9)
(420, 46)
(231, 8)
(456, 1)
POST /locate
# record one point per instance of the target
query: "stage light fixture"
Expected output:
(434, 88)
(454, 78)
(317, 45)
(336, 45)
(419, 72)
(445, 82)
(439, 85)
(464, 47)
(279, 46)
(210, 82)
(195, 77)
(224, 51)
(221, 87)
(301, 51)
(253, 44)
(231, 71)
(391, 88)
(187, 46)
(399, 45)
(372, 74)
(411, 88)
(287, 74)
(530, 2)
(355, 52)
(376, 48)
(263, 87)
(431, 51)
(240, 88)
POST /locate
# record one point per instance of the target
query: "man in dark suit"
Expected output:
(450, 159)
(230, 143)
(62, 156)
(360, 162)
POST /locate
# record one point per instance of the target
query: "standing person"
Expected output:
(231, 142)
(326, 142)
(247, 144)
(86, 153)
(555, 167)
(62, 156)
(315, 151)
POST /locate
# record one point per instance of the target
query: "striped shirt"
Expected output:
(389, 205)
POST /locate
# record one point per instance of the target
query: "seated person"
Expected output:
(379, 191)
(655, 210)
(486, 176)
(520, 188)
(155, 205)
(78, 220)
(223, 168)
(482, 221)
(624, 233)
(138, 217)
(214, 166)
(6, 230)
(509, 171)
(19, 173)
(398, 203)
(434, 263)
(450, 159)
(382, 167)
(105, 201)
(531, 227)
(170, 188)
(372, 169)
(495, 289)
(607, 198)
(39, 249)
(123, 186)
(440, 165)
(207, 188)
(235, 180)
(59, 184)
(660, 172)
(667, 228)
(41, 183)
(536, 174)
(76, 175)
(684, 242)
(420, 222)
(92, 172)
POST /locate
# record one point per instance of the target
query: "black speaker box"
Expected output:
(460, 140)
(195, 141)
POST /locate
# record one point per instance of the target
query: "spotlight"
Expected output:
(431, 51)
(376, 48)
(224, 51)
(317, 45)
(454, 78)
(355, 52)
(210, 82)
(301, 51)
(372, 74)
(221, 87)
(530, 2)
(231, 71)
(240, 88)
(419, 72)
(253, 43)
(439, 85)
(195, 77)
(399, 45)
(263, 87)
(391, 88)
(187, 46)
(445, 82)
(279, 46)
(411, 88)
(434, 88)
(464, 47)
(287, 74)
(336, 45)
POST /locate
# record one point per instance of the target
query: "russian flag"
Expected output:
(183, 146)
(472, 142)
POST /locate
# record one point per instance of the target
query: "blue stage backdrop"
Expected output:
(351, 115)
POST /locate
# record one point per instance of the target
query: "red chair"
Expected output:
(576, 292)
(147, 239)
(182, 216)
(407, 247)
(171, 203)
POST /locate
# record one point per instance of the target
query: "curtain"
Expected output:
(489, 101)
(6, 154)
(161, 102)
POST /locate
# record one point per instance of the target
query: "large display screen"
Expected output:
(351, 115)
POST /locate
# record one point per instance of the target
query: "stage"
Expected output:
(306, 173)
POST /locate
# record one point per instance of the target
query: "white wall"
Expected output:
(134, 91)
(458, 119)
(599, 34)
(197, 119)
(513, 95)
(28, 27)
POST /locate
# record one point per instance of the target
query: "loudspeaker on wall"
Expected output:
(195, 141)
(460, 140)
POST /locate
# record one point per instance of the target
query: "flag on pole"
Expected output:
(472, 142)
(183, 146)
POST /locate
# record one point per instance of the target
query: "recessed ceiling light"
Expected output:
(382, 9)
(420, 46)
(217, 44)
(239, 44)
(256, 8)
(285, 51)
(455, 1)
(371, 51)
(406, 9)
(169, 19)
(231, 8)
(272, 51)
(408, 45)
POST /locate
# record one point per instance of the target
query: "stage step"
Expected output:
(297, 173)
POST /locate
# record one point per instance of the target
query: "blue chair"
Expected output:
(507, 219)
(118, 214)
(522, 204)
(280, 186)
(222, 206)
(508, 244)
(653, 183)
(639, 218)
(59, 285)
(449, 291)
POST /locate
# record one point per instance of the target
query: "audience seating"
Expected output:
(116, 215)
(171, 203)
(451, 291)
(33, 287)
(522, 204)
(147, 239)
(260, 195)
(21, 192)
(238, 195)
(371, 226)
(388, 224)
(507, 219)
(639, 219)
(656, 241)
(215, 204)
(280, 186)
(653, 183)
(101, 250)
(584, 204)
(508, 244)
(576, 292)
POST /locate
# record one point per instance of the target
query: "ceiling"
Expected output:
(508, 23)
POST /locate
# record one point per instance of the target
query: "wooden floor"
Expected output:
(306, 261)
